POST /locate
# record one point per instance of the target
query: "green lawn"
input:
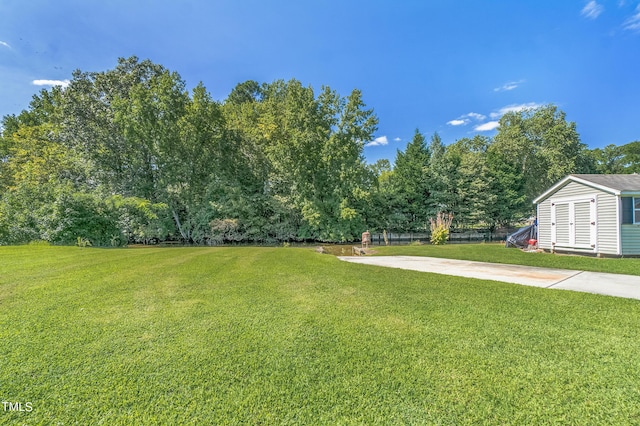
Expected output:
(497, 253)
(289, 336)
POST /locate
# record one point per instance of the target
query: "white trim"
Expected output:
(572, 223)
(554, 229)
(550, 190)
(574, 198)
(593, 223)
(619, 225)
(537, 223)
(571, 216)
(596, 185)
(578, 180)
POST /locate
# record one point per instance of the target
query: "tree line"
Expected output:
(129, 155)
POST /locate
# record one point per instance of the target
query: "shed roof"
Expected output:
(620, 183)
(615, 184)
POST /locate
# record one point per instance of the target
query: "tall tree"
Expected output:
(307, 149)
(412, 183)
(536, 147)
(275, 161)
(38, 170)
(472, 182)
(617, 158)
(443, 177)
(379, 210)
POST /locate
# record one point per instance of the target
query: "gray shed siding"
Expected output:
(544, 225)
(607, 220)
(630, 240)
(608, 223)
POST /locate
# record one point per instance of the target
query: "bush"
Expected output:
(83, 242)
(439, 236)
(139, 220)
(225, 230)
(440, 228)
(83, 217)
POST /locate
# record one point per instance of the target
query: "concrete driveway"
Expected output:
(591, 282)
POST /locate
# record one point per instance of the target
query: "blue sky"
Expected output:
(451, 67)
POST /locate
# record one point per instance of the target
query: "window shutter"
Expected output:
(627, 210)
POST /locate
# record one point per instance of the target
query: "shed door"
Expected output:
(573, 224)
(563, 225)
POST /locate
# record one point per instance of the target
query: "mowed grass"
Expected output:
(497, 253)
(290, 336)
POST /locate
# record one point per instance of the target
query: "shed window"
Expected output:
(630, 210)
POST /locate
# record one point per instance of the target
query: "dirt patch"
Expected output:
(343, 250)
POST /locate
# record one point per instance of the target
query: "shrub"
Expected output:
(83, 214)
(225, 230)
(439, 236)
(83, 242)
(440, 228)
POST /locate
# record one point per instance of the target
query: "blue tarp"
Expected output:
(520, 238)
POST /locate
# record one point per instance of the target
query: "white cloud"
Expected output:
(5, 44)
(592, 10)
(382, 140)
(508, 86)
(493, 124)
(63, 83)
(486, 127)
(397, 140)
(475, 116)
(514, 108)
(633, 23)
(463, 120)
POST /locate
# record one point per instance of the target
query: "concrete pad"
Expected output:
(526, 275)
(599, 283)
(591, 282)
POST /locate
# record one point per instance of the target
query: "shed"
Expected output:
(591, 214)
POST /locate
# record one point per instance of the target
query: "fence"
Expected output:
(454, 237)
